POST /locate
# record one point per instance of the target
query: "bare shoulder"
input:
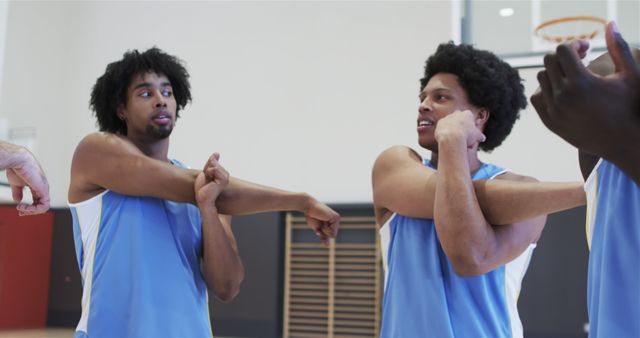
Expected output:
(94, 153)
(396, 155)
(104, 142)
(511, 176)
(391, 159)
(388, 162)
(94, 149)
(97, 148)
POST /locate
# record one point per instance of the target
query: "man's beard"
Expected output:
(160, 132)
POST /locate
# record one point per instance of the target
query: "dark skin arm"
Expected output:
(473, 245)
(108, 161)
(221, 264)
(599, 115)
(402, 184)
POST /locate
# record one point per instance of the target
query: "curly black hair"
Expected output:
(110, 90)
(489, 82)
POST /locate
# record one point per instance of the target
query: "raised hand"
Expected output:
(210, 182)
(461, 125)
(597, 114)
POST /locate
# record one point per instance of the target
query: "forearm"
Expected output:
(11, 155)
(243, 197)
(473, 243)
(184, 180)
(501, 201)
(222, 266)
(462, 229)
(402, 184)
(507, 202)
(177, 187)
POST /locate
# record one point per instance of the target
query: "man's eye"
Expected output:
(167, 93)
(145, 94)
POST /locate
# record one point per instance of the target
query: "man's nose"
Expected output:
(160, 100)
(425, 106)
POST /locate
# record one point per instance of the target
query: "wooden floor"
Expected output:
(38, 333)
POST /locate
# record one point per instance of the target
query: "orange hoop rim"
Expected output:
(560, 38)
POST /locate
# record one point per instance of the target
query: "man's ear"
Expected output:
(120, 113)
(482, 116)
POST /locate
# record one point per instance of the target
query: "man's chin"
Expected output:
(431, 146)
(160, 133)
(163, 136)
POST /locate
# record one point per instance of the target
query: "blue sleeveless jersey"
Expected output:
(424, 297)
(613, 235)
(140, 263)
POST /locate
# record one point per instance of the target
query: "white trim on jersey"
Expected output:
(89, 214)
(514, 272)
(385, 239)
(504, 171)
(591, 189)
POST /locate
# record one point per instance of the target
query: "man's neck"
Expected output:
(472, 157)
(156, 149)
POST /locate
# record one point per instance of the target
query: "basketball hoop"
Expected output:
(582, 27)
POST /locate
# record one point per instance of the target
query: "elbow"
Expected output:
(469, 264)
(226, 290)
(227, 293)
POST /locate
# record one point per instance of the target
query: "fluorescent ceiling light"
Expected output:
(506, 12)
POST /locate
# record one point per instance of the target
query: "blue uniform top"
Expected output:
(424, 297)
(613, 234)
(140, 263)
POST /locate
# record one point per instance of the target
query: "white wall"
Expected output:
(299, 95)
(5, 192)
(4, 14)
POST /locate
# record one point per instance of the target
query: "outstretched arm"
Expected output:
(470, 242)
(402, 184)
(107, 161)
(600, 115)
(23, 170)
(222, 266)
(243, 197)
